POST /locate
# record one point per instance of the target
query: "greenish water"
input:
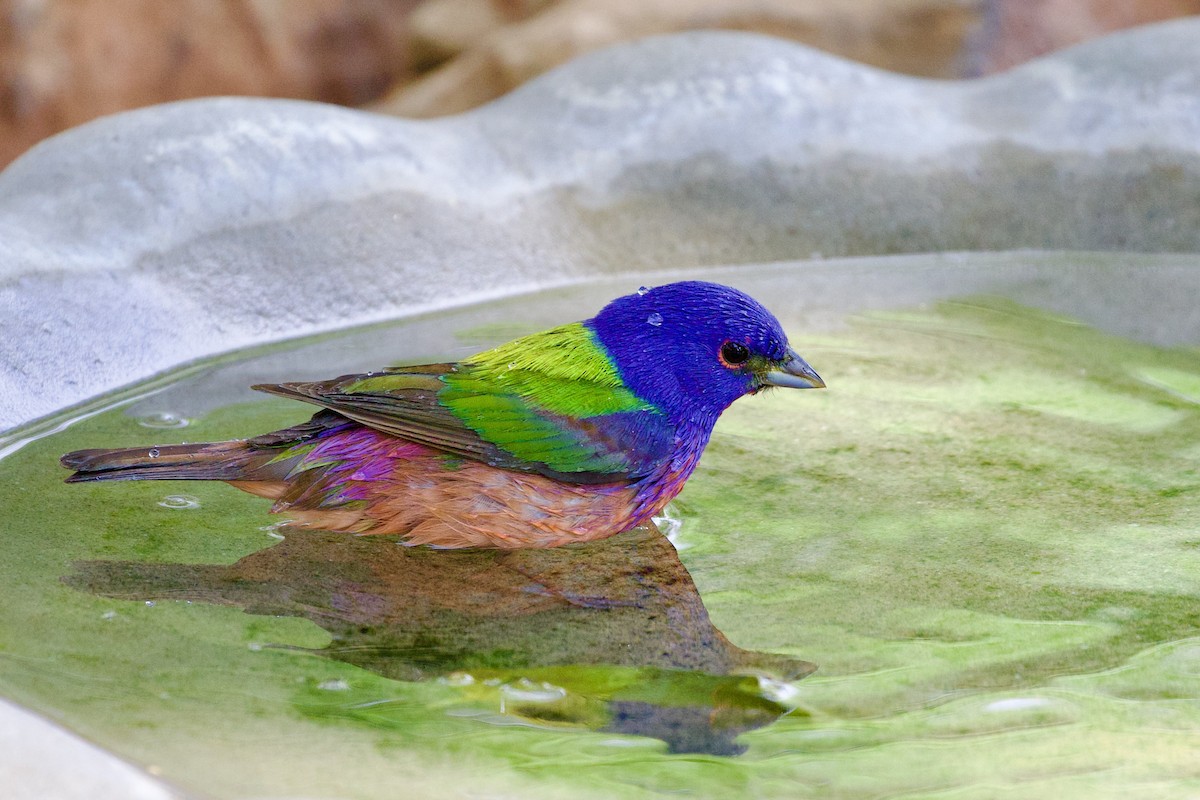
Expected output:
(986, 534)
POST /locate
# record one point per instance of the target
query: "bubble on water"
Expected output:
(1017, 704)
(781, 692)
(335, 685)
(154, 452)
(654, 319)
(149, 604)
(179, 501)
(642, 290)
(109, 615)
(163, 419)
(254, 647)
(457, 679)
(526, 691)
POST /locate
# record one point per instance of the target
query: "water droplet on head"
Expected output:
(655, 319)
(179, 501)
(153, 452)
(642, 290)
(163, 419)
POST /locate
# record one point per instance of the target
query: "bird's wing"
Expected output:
(532, 415)
(401, 403)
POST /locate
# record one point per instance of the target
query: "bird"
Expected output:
(569, 435)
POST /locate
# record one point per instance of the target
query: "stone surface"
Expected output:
(63, 62)
(920, 37)
(43, 761)
(145, 239)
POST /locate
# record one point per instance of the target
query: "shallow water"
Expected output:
(986, 533)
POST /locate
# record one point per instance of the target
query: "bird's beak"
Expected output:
(794, 373)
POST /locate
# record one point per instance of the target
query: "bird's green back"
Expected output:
(563, 370)
(528, 396)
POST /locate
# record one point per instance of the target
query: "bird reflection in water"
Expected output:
(414, 614)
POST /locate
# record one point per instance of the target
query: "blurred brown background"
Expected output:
(63, 62)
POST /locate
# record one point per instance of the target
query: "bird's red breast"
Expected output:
(359, 480)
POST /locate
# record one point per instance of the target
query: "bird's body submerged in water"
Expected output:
(569, 435)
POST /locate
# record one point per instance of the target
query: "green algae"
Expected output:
(986, 532)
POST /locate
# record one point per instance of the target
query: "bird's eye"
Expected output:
(734, 354)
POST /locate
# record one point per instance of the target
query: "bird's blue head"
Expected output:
(692, 348)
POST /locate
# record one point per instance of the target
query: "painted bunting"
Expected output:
(569, 435)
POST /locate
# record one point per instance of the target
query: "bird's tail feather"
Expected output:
(210, 461)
